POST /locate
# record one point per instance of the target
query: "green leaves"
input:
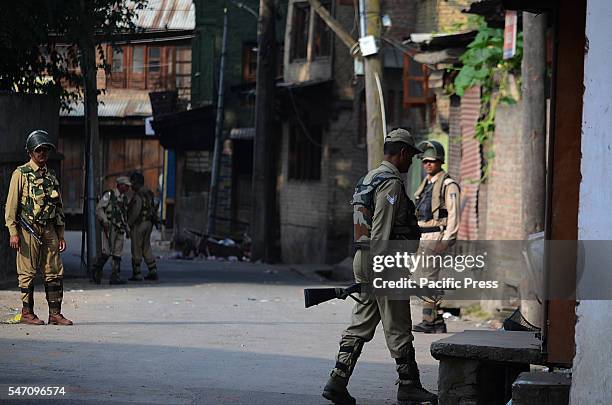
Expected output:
(40, 39)
(484, 65)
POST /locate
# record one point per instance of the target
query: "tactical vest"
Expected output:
(116, 211)
(40, 201)
(363, 210)
(148, 211)
(436, 197)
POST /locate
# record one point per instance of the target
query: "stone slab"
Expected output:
(498, 346)
(541, 388)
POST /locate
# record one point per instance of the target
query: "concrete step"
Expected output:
(541, 388)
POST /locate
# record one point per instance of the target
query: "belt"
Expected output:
(432, 229)
(362, 245)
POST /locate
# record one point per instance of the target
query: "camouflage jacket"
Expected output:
(34, 194)
(112, 209)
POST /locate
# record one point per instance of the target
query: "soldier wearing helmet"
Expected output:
(111, 212)
(437, 208)
(142, 215)
(382, 211)
(35, 219)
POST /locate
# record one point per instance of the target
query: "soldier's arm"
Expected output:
(387, 199)
(101, 208)
(12, 202)
(452, 199)
(134, 210)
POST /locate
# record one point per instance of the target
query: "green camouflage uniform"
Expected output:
(34, 195)
(112, 212)
(142, 215)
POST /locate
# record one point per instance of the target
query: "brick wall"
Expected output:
(315, 215)
(504, 217)
(441, 15)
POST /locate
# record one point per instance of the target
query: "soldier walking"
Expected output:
(381, 211)
(35, 219)
(112, 215)
(142, 215)
(437, 209)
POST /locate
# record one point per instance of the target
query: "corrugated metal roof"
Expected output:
(167, 15)
(117, 104)
(242, 133)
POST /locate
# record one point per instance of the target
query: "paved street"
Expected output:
(209, 333)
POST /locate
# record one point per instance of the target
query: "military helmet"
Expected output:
(38, 138)
(137, 178)
(431, 150)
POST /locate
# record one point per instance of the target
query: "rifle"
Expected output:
(315, 296)
(25, 225)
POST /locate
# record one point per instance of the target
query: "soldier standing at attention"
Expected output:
(381, 211)
(112, 215)
(35, 219)
(142, 215)
(437, 208)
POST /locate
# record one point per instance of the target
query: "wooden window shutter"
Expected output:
(416, 83)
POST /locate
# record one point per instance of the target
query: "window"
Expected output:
(138, 59)
(117, 63)
(249, 62)
(299, 31)
(154, 63)
(322, 35)
(305, 152)
(416, 84)
(183, 71)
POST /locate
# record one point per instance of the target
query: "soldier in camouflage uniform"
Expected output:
(112, 215)
(34, 202)
(142, 215)
(381, 211)
(438, 211)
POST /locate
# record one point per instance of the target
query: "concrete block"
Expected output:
(541, 388)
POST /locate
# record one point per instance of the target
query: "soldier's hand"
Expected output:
(62, 245)
(441, 247)
(14, 242)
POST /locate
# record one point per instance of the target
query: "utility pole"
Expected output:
(263, 223)
(88, 68)
(214, 181)
(372, 72)
(533, 141)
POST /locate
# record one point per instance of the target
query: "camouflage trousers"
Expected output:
(396, 322)
(112, 244)
(46, 258)
(141, 246)
(431, 305)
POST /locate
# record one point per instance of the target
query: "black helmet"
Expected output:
(38, 138)
(137, 178)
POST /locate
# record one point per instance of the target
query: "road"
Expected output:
(209, 332)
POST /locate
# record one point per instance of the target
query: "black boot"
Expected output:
(410, 391)
(335, 391)
(152, 276)
(96, 277)
(414, 394)
(136, 275)
(438, 326)
(115, 279)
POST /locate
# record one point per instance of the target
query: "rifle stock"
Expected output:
(315, 296)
